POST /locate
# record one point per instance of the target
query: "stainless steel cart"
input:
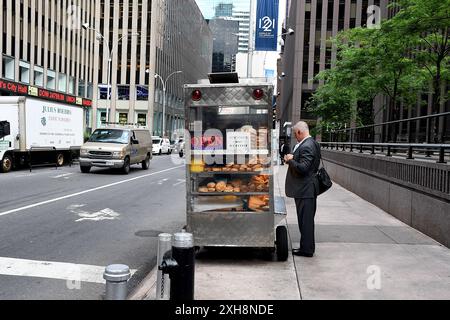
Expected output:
(230, 182)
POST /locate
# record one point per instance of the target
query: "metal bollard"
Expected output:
(163, 280)
(116, 276)
(181, 267)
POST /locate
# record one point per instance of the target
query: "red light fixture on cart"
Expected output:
(258, 94)
(196, 95)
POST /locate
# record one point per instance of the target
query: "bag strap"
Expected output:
(320, 154)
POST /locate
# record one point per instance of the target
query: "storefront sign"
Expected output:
(26, 90)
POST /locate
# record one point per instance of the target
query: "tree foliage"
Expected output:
(399, 60)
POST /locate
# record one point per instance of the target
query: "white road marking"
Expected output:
(52, 270)
(162, 181)
(105, 214)
(65, 175)
(84, 192)
(180, 181)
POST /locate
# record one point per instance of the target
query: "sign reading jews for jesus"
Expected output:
(267, 25)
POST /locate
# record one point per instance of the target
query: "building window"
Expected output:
(103, 92)
(62, 82)
(142, 93)
(72, 85)
(103, 117)
(81, 89)
(38, 76)
(123, 92)
(24, 72)
(51, 79)
(142, 119)
(123, 117)
(90, 91)
(8, 68)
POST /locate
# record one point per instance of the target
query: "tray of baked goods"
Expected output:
(232, 203)
(251, 167)
(220, 184)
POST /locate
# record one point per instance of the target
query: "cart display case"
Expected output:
(230, 182)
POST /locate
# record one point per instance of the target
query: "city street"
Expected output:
(58, 227)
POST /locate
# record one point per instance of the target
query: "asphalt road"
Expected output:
(60, 228)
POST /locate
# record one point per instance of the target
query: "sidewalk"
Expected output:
(361, 253)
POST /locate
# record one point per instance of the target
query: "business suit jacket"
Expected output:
(301, 179)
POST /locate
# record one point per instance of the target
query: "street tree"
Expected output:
(427, 25)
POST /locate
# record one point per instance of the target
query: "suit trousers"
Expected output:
(306, 212)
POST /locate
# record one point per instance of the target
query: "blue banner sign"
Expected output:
(267, 25)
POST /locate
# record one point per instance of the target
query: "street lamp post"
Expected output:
(164, 84)
(101, 37)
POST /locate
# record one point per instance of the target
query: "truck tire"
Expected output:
(6, 164)
(282, 243)
(60, 159)
(126, 166)
(146, 163)
(85, 169)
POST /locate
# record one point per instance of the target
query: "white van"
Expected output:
(161, 145)
(116, 148)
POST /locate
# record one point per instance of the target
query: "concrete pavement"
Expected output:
(361, 253)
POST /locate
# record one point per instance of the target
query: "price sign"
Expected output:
(238, 142)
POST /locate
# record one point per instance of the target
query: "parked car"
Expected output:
(161, 145)
(116, 148)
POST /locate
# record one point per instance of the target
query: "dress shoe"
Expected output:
(298, 252)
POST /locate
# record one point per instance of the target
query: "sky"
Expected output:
(207, 6)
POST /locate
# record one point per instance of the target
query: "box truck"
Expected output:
(38, 131)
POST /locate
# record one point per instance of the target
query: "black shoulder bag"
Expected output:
(325, 182)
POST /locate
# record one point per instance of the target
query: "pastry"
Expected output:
(229, 189)
(244, 189)
(237, 190)
(211, 185)
(203, 190)
(221, 186)
(236, 183)
(217, 169)
(211, 189)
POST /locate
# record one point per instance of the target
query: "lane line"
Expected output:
(52, 270)
(84, 192)
(63, 175)
(181, 181)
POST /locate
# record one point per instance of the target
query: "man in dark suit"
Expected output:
(303, 186)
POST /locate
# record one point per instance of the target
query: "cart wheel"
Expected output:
(282, 243)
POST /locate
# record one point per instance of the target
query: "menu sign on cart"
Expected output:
(238, 142)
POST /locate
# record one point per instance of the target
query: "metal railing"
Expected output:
(409, 149)
(411, 130)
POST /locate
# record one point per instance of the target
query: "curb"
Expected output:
(147, 288)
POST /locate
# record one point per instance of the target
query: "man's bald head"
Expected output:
(301, 130)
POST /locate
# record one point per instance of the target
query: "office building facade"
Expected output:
(44, 52)
(225, 44)
(44, 45)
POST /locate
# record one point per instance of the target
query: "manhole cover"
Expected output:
(148, 233)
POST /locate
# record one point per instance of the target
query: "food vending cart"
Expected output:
(230, 182)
